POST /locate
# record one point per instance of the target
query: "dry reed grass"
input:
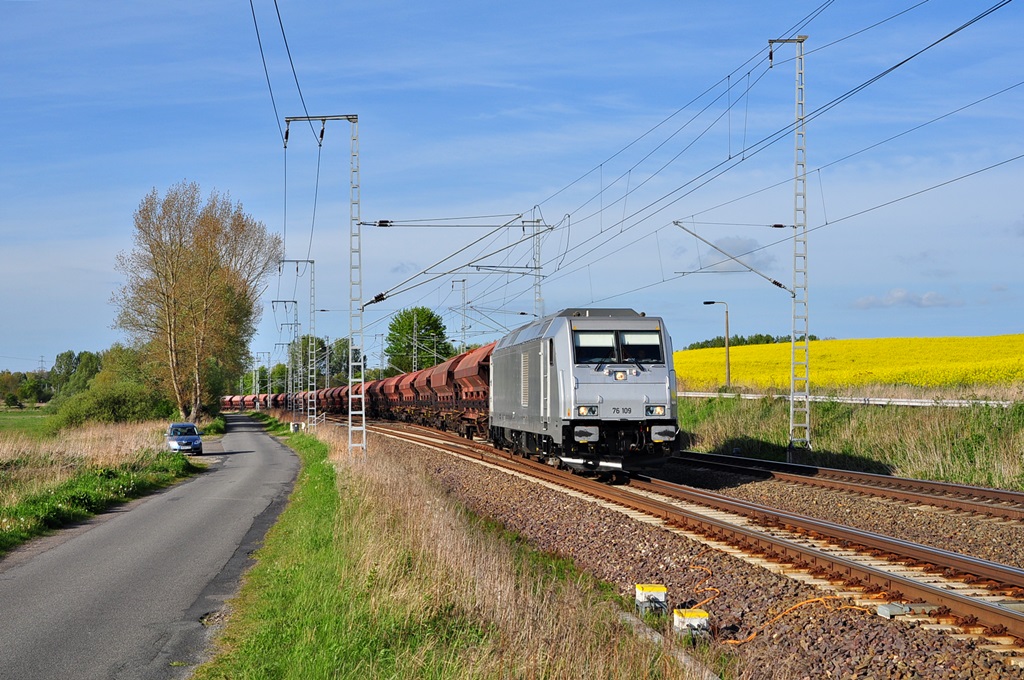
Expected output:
(29, 465)
(977, 445)
(425, 549)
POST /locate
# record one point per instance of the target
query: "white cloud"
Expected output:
(900, 297)
(404, 267)
(746, 250)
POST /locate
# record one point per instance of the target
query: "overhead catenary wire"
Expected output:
(291, 62)
(284, 136)
(762, 144)
(739, 69)
(752, 149)
(426, 272)
(726, 79)
(266, 71)
(853, 154)
(695, 182)
(570, 256)
(712, 265)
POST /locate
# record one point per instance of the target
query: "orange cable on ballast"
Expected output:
(822, 600)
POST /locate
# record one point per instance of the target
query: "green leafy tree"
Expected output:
(740, 340)
(261, 381)
(417, 338)
(298, 353)
(33, 390)
(123, 364)
(63, 368)
(87, 365)
(9, 382)
(191, 299)
(339, 362)
(115, 385)
(111, 402)
(279, 378)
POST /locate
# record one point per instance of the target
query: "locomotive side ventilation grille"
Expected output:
(524, 382)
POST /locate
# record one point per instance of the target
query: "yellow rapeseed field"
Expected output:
(918, 362)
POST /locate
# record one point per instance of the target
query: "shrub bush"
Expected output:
(115, 403)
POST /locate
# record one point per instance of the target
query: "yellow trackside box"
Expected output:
(689, 621)
(652, 598)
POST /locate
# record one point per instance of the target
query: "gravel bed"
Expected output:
(980, 536)
(812, 642)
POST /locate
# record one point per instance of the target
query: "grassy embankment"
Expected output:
(50, 480)
(982, 445)
(373, 572)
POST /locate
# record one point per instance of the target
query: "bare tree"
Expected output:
(194, 278)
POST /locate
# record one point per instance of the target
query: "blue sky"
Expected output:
(608, 121)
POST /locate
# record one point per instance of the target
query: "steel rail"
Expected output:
(995, 502)
(897, 587)
(1002, 574)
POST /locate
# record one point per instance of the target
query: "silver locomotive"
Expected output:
(591, 389)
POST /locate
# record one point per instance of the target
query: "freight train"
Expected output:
(593, 390)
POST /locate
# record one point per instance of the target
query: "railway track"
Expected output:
(1000, 503)
(938, 588)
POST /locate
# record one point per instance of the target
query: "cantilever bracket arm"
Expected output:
(736, 259)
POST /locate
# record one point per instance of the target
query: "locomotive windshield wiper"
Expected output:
(638, 364)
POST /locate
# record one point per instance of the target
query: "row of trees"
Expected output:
(124, 382)
(69, 375)
(330, 369)
(114, 385)
(416, 338)
(738, 340)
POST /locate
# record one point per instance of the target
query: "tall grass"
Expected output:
(979, 445)
(46, 482)
(382, 576)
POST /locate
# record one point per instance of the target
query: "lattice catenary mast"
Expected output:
(311, 420)
(356, 402)
(800, 376)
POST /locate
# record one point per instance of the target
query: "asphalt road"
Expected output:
(125, 595)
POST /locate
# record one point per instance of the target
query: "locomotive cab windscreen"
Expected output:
(616, 347)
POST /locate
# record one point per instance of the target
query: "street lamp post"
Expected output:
(728, 381)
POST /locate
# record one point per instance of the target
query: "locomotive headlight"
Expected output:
(586, 410)
(654, 410)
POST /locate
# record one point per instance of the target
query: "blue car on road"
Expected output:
(184, 438)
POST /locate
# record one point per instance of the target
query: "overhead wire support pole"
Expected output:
(538, 299)
(356, 355)
(800, 380)
(295, 325)
(290, 404)
(356, 401)
(462, 346)
(258, 381)
(311, 416)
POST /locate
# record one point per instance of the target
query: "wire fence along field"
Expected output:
(953, 363)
